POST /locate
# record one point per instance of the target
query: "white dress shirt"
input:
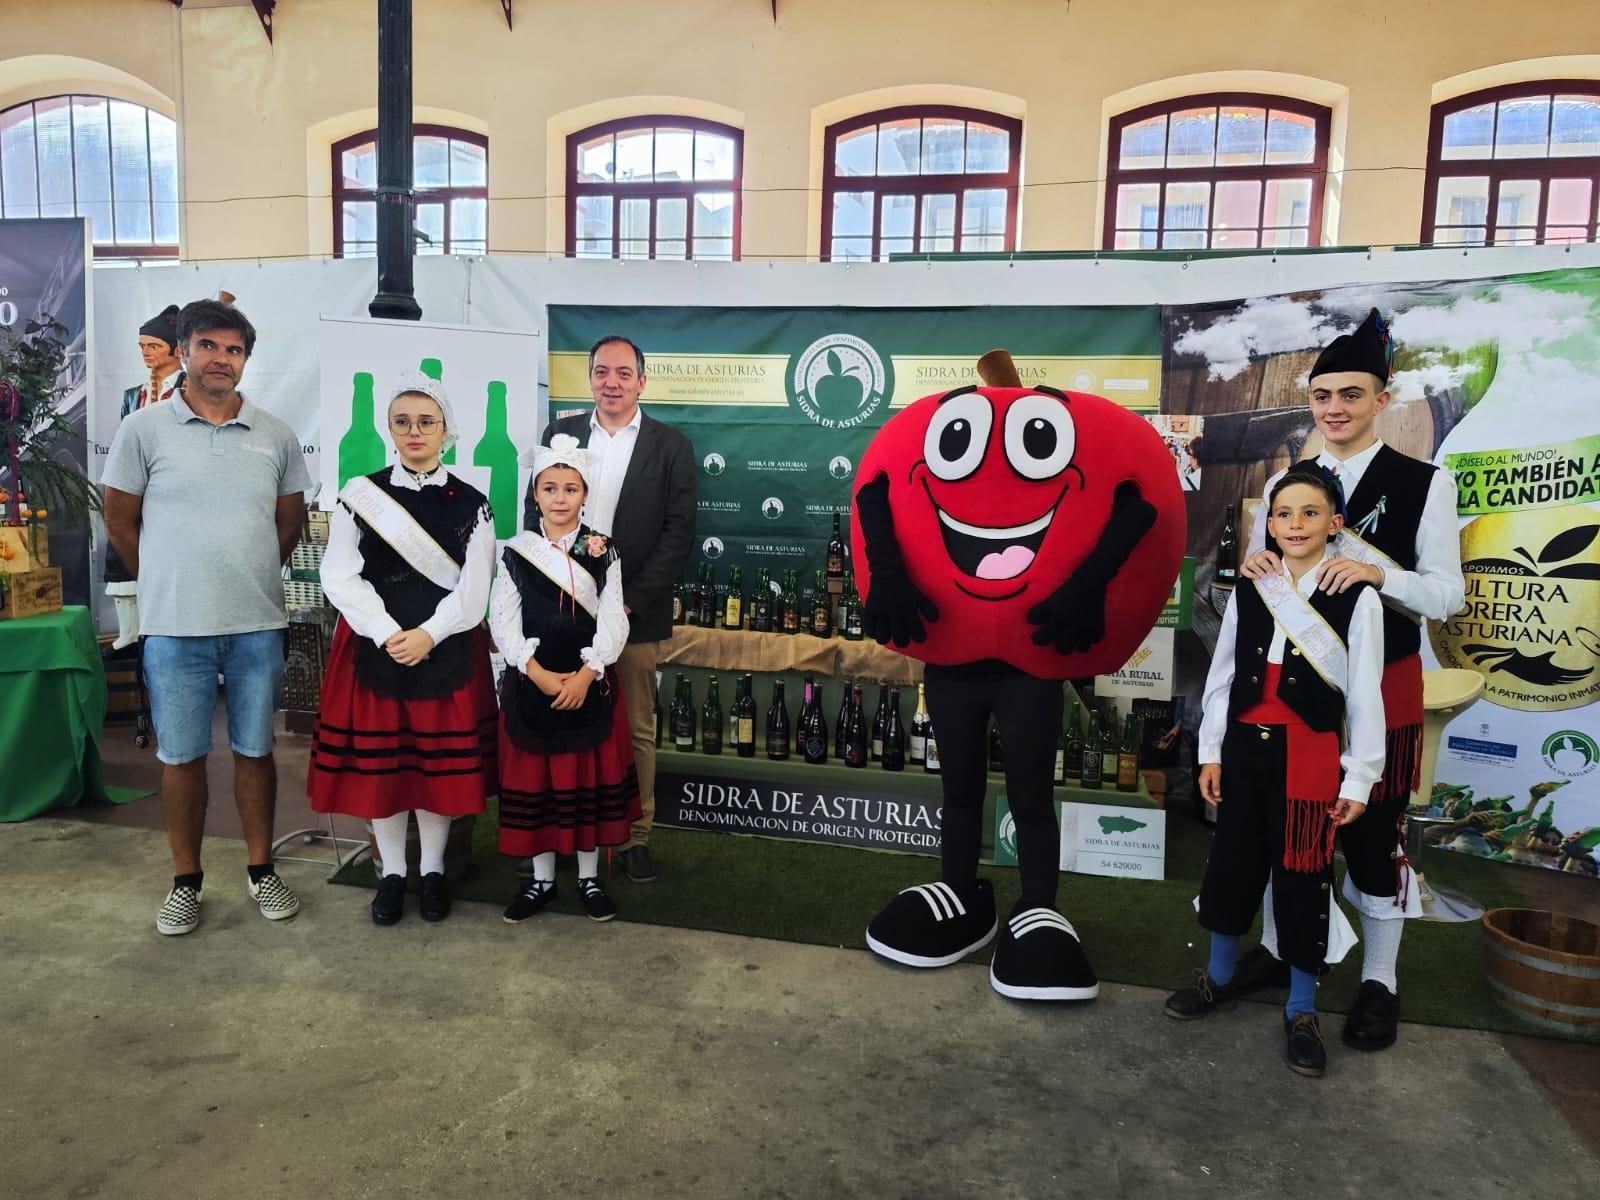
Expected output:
(1363, 756)
(358, 601)
(611, 622)
(1435, 590)
(610, 455)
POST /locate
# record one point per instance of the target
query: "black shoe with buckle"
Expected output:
(389, 905)
(596, 904)
(1307, 1055)
(435, 903)
(1201, 998)
(535, 896)
(1257, 970)
(638, 865)
(1374, 1020)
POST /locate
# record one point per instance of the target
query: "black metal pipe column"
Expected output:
(396, 296)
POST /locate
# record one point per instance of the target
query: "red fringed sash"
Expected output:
(1311, 783)
(1402, 719)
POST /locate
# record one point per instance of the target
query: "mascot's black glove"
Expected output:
(894, 610)
(1073, 618)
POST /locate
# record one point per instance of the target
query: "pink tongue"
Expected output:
(1013, 561)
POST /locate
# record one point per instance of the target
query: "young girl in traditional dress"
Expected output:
(1291, 743)
(407, 721)
(567, 782)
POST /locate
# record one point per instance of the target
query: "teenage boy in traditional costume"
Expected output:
(567, 778)
(1401, 537)
(1291, 744)
(407, 721)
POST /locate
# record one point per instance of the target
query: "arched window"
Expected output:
(1225, 171)
(90, 156)
(655, 187)
(1515, 164)
(920, 179)
(450, 174)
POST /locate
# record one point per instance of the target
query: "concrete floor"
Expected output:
(325, 1057)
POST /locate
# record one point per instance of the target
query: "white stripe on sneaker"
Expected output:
(1041, 918)
(936, 897)
(920, 889)
(950, 896)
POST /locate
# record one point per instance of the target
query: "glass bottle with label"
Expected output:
(835, 555)
(930, 761)
(850, 617)
(841, 728)
(822, 608)
(1074, 764)
(1128, 758)
(1090, 776)
(733, 719)
(761, 603)
(856, 745)
(691, 599)
(683, 715)
(708, 598)
(894, 735)
(1060, 775)
(919, 729)
(878, 719)
(791, 603)
(680, 602)
(733, 602)
(813, 726)
(747, 718)
(1227, 573)
(778, 724)
(711, 720)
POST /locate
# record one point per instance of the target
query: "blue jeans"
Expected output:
(180, 673)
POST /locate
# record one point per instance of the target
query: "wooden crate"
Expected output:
(23, 549)
(30, 593)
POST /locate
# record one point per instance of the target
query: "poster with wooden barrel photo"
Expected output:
(1494, 380)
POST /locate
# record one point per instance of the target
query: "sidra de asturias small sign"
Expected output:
(817, 812)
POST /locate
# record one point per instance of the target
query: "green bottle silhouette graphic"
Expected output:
(361, 450)
(499, 453)
(434, 369)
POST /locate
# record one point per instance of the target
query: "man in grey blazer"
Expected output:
(643, 498)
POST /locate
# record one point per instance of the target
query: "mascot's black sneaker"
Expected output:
(1039, 957)
(933, 925)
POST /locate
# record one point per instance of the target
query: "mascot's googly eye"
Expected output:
(957, 436)
(1040, 437)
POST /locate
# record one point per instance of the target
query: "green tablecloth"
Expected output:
(52, 707)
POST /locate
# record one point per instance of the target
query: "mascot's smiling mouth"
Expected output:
(985, 552)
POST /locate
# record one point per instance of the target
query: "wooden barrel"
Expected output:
(1545, 967)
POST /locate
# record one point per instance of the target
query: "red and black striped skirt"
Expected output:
(374, 756)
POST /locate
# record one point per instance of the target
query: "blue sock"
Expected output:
(1302, 992)
(1224, 954)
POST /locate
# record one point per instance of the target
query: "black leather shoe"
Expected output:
(1257, 969)
(1307, 1054)
(390, 903)
(435, 903)
(1374, 1020)
(638, 865)
(1200, 998)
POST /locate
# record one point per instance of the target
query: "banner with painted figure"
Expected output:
(1499, 382)
(780, 402)
(44, 276)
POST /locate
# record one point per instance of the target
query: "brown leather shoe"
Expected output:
(1307, 1055)
(638, 865)
(1200, 998)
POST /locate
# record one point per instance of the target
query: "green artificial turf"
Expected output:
(1136, 931)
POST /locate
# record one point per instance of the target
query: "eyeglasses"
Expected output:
(423, 425)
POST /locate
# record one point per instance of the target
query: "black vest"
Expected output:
(1318, 703)
(563, 628)
(449, 514)
(1400, 484)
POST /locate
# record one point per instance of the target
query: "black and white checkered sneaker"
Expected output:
(180, 913)
(277, 902)
(1039, 957)
(933, 924)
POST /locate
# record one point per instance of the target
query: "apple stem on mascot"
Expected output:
(1011, 538)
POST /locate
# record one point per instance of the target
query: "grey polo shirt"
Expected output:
(208, 542)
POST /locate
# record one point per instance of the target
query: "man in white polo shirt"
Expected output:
(204, 499)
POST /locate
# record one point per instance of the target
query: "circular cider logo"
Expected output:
(839, 381)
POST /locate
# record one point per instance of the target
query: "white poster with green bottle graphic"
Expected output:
(490, 375)
(1096, 839)
(1498, 381)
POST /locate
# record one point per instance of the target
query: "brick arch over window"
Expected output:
(110, 160)
(450, 169)
(1223, 170)
(1515, 165)
(917, 179)
(655, 187)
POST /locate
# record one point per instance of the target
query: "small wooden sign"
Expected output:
(29, 593)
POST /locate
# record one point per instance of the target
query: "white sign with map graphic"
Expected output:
(1103, 839)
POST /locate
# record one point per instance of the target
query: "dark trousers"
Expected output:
(961, 701)
(1247, 853)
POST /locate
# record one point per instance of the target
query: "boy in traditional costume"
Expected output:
(1402, 538)
(407, 720)
(567, 778)
(1293, 724)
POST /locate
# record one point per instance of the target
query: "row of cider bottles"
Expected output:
(773, 606)
(886, 739)
(1093, 757)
